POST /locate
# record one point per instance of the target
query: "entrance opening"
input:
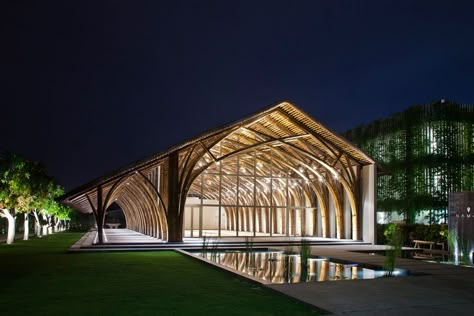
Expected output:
(114, 217)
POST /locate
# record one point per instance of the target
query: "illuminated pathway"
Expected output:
(125, 239)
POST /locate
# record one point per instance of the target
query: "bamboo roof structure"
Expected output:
(280, 123)
(282, 134)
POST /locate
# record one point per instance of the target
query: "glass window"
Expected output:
(229, 166)
(211, 186)
(263, 197)
(229, 190)
(263, 167)
(279, 191)
(246, 193)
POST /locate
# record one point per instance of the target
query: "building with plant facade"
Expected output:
(426, 152)
(278, 173)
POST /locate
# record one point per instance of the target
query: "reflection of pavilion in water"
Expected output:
(278, 267)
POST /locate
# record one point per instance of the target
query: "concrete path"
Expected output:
(128, 240)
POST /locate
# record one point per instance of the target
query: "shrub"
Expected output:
(410, 232)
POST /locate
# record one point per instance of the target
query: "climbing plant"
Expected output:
(425, 152)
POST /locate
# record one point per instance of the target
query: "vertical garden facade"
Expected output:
(425, 152)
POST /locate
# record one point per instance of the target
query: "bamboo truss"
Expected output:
(262, 172)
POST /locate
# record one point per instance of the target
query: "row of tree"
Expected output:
(26, 189)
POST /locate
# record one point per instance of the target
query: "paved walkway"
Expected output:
(128, 240)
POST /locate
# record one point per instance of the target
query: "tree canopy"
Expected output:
(25, 187)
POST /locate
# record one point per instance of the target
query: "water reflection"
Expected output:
(279, 267)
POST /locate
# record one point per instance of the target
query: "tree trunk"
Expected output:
(45, 226)
(56, 225)
(37, 224)
(50, 227)
(11, 225)
(26, 227)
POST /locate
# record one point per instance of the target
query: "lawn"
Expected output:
(39, 277)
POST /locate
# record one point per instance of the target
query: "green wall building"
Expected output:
(425, 152)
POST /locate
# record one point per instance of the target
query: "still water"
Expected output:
(280, 267)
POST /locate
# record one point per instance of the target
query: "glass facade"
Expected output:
(251, 194)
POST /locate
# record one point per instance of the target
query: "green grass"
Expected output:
(38, 277)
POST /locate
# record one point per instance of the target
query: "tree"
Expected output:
(62, 215)
(40, 185)
(15, 189)
(51, 207)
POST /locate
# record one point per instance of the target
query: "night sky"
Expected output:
(90, 86)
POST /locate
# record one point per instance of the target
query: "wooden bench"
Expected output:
(427, 249)
(419, 243)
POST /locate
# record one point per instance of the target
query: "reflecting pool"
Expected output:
(281, 267)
